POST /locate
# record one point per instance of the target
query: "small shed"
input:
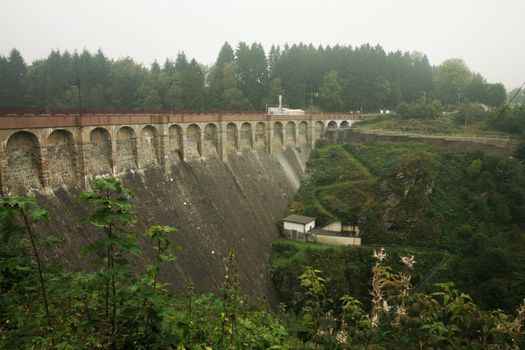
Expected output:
(299, 223)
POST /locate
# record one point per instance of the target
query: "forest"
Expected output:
(341, 78)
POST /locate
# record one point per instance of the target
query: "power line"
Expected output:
(508, 103)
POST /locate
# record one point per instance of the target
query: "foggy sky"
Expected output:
(487, 34)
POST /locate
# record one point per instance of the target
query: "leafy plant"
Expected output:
(17, 217)
(114, 216)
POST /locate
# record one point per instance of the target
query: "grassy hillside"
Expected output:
(472, 205)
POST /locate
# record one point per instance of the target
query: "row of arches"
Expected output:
(27, 160)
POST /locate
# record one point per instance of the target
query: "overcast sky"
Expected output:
(488, 34)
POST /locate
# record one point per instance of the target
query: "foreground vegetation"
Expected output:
(112, 306)
(46, 306)
(397, 318)
(347, 270)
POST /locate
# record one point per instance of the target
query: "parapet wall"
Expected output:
(46, 151)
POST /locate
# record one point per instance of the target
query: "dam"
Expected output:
(224, 180)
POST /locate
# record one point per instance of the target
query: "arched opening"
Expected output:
(319, 128)
(193, 140)
(260, 135)
(331, 125)
(24, 165)
(303, 133)
(175, 147)
(149, 147)
(231, 137)
(344, 125)
(211, 139)
(278, 134)
(290, 134)
(99, 162)
(61, 158)
(126, 149)
(246, 136)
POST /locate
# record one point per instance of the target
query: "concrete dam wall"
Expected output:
(215, 205)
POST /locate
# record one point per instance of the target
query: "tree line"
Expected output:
(324, 78)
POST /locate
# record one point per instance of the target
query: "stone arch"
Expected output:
(246, 136)
(290, 132)
(278, 134)
(149, 147)
(61, 158)
(260, 135)
(193, 140)
(126, 149)
(211, 139)
(331, 125)
(318, 130)
(99, 162)
(232, 139)
(24, 162)
(303, 133)
(344, 125)
(176, 149)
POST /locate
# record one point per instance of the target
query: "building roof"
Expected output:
(299, 219)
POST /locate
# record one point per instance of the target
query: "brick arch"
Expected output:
(278, 136)
(246, 136)
(175, 144)
(126, 149)
(211, 139)
(232, 137)
(24, 162)
(332, 124)
(344, 124)
(149, 153)
(302, 133)
(193, 140)
(318, 130)
(100, 161)
(61, 158)
(290, 133)
(260, 135)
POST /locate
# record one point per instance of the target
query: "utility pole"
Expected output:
(77, 84)
(466, 116)
(311, 99)
(320, 110)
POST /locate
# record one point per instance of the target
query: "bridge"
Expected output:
(42, 149)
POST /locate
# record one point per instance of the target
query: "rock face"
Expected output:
(216, 206)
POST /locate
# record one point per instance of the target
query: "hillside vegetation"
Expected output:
(466, 120)
(347, 270)
(471, 204)
(46, 305)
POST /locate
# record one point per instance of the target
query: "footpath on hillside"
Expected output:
(361, 169)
